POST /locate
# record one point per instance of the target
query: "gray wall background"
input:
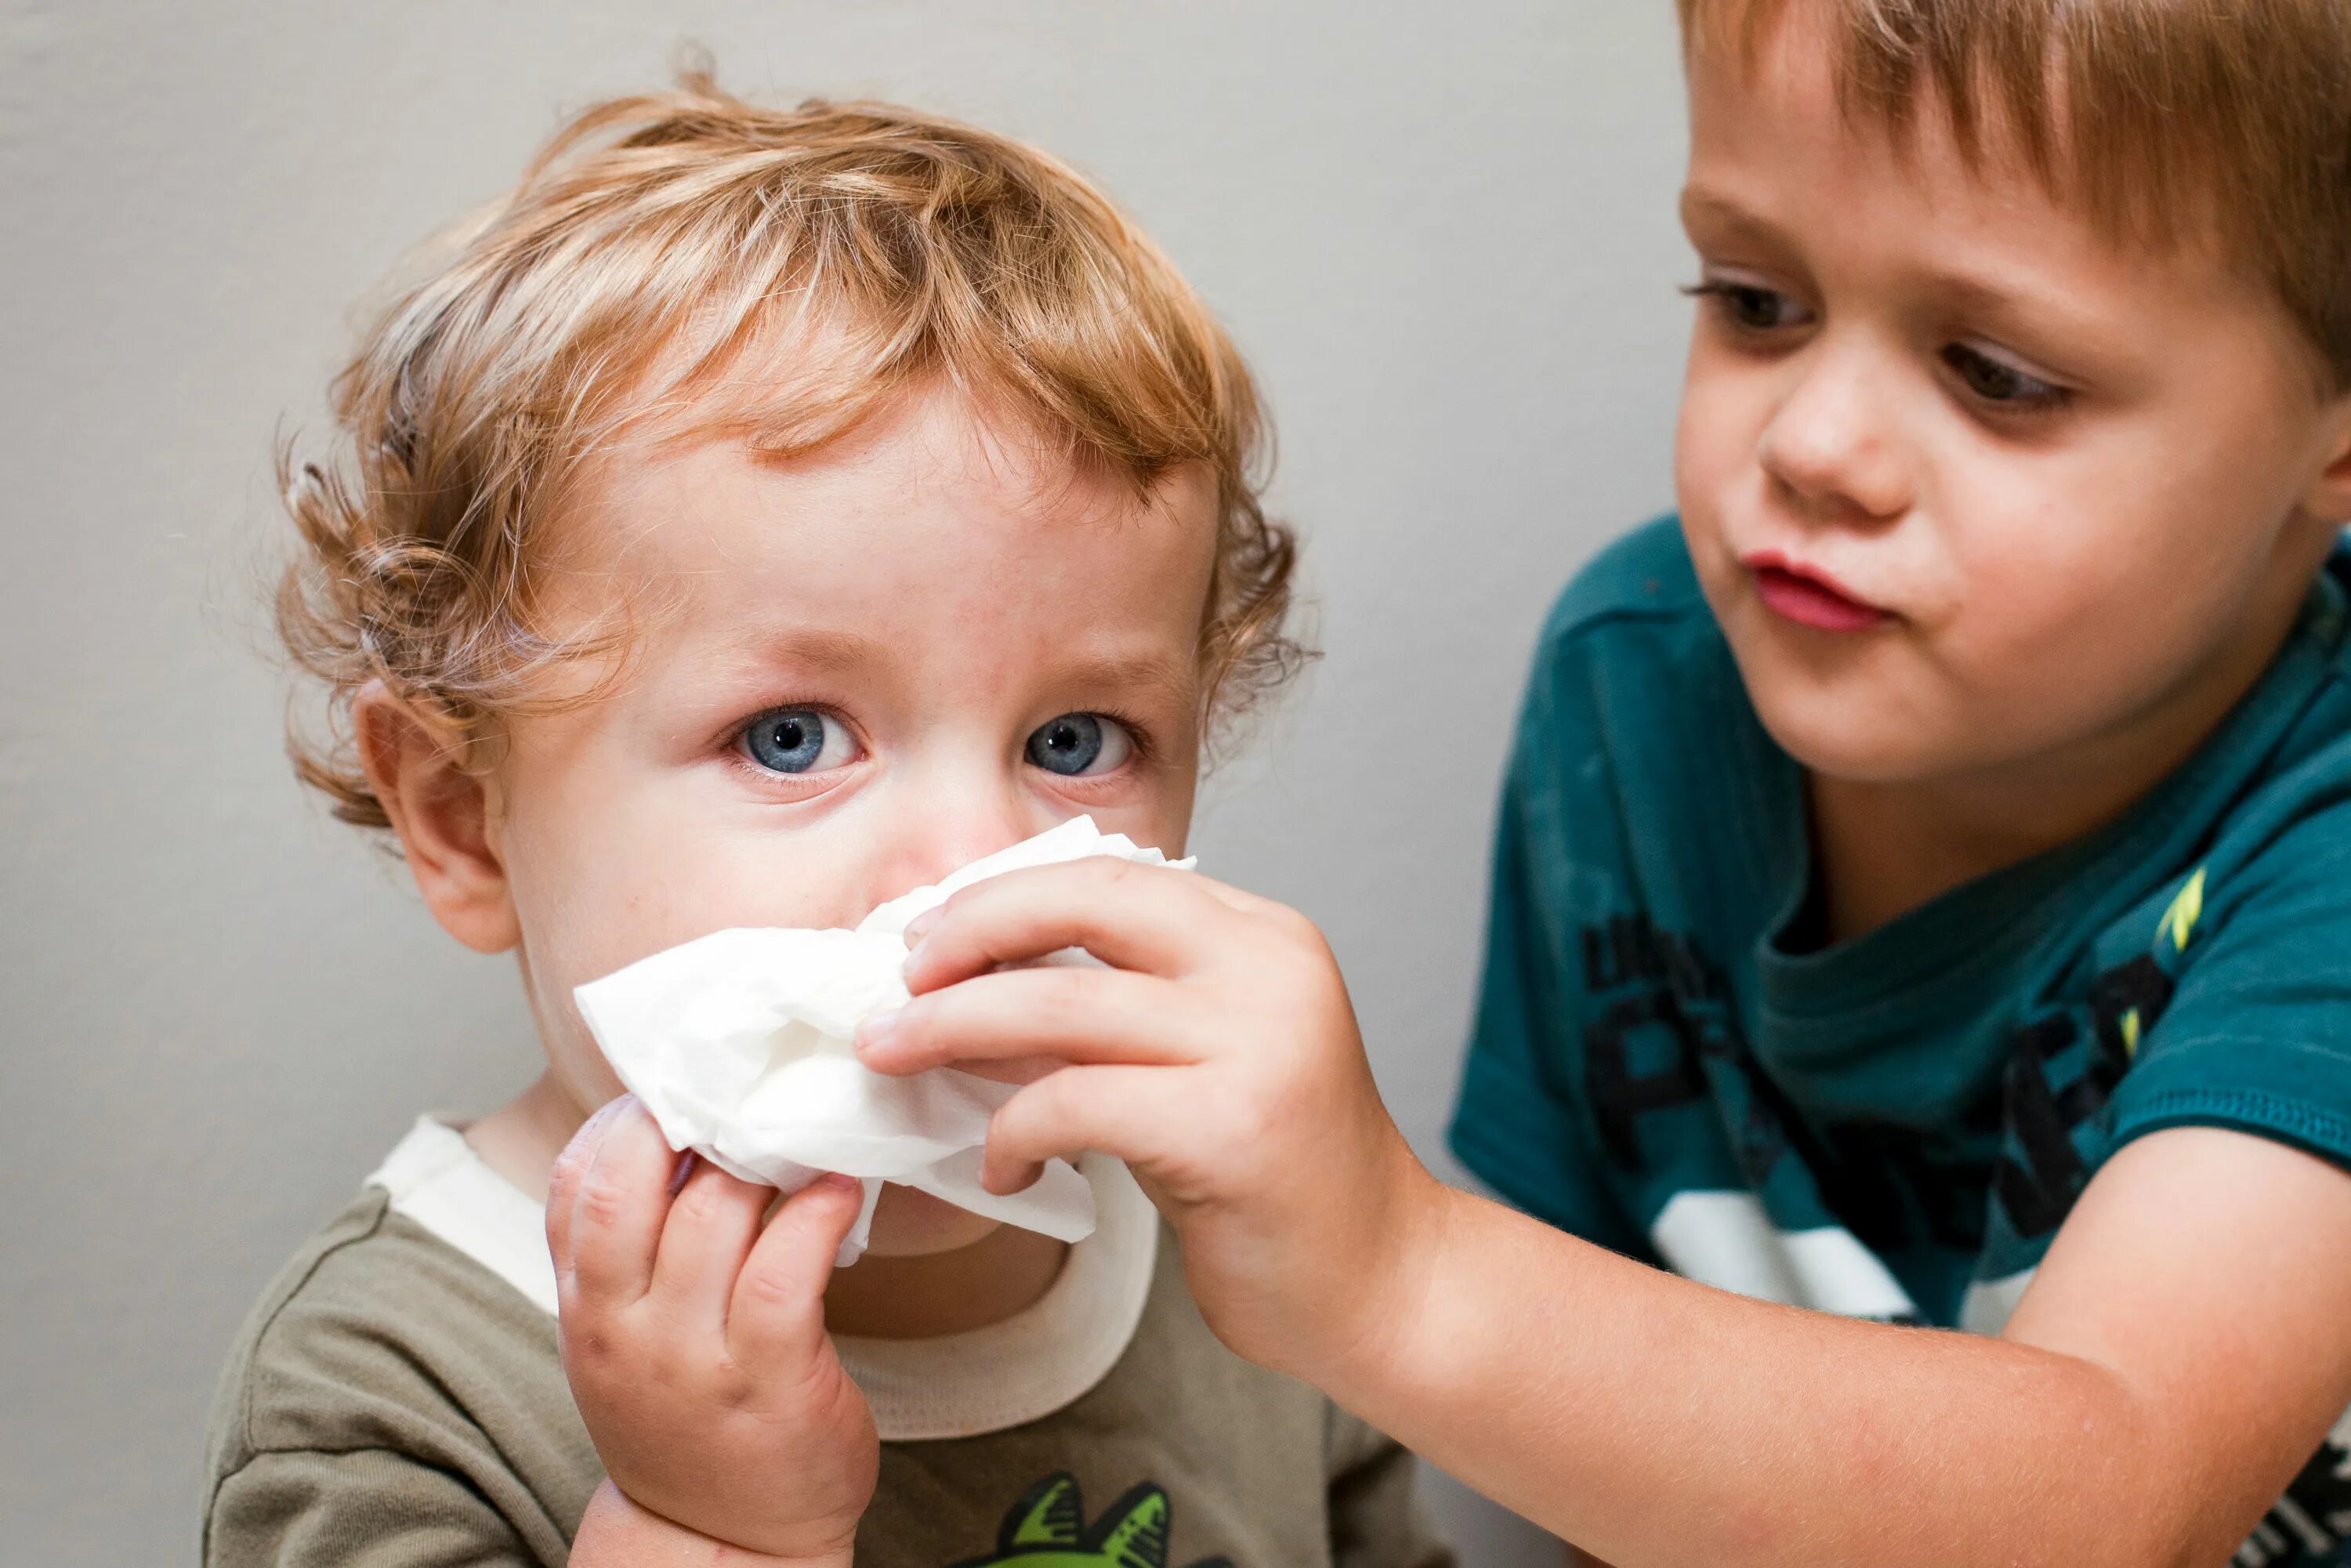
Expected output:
(1443, 232)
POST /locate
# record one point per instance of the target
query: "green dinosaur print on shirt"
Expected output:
(1046, 1529)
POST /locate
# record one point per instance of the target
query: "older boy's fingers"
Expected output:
(1068, 1013)
(1118, 1110)
(1224, 893)
(1231, 897)
(1013, 1070)
(775, 1316)
(1131, 917)
(617, 1211)
(563, 1180)
(713, 1222)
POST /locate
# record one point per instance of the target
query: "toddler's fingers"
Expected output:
(1063, 1011)
(563, 1181)
(1131, 917)
(1119, 1110)
(713, 1222)
(617, 1211)
(776, 1315)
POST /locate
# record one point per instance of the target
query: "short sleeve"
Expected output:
(365, 1508)
(1376, 1517)
(391, 1401)
(1515, 1123)
(2256, 1034)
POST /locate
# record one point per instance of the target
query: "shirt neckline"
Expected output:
(1031, 1364)
(1938, 955)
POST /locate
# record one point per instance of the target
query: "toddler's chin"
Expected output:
(910, 1224)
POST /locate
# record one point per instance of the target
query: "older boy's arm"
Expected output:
(2182, 1351)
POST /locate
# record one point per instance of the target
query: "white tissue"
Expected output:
(739, 1044)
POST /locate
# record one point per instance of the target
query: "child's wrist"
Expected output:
(1392, 1297)
(621, 1533)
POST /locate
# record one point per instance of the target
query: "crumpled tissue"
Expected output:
(740, 1045)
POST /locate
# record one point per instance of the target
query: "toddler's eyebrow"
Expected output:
(823, 651)
(1175, 682)
(832, 651)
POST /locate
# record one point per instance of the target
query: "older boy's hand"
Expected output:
(693, 1337)
(1218, 1055)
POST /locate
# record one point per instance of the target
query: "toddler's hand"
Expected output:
(695, 1341)
(1218, 1056)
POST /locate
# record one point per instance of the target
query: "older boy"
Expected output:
(1924, 882)
(758, 515)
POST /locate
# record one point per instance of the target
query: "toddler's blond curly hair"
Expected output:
(658, 241)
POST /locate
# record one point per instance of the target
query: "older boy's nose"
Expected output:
(1831, 446)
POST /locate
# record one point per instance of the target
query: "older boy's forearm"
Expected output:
(1651, 1421)
(616, 1533)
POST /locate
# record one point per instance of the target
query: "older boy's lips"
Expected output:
(1808, 596)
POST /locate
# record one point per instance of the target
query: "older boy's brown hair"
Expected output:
(843, 254)
(2167, 121)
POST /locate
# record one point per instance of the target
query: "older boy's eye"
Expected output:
(1998, 382)
(1750, 306)
(796, 740)
(1080, 743)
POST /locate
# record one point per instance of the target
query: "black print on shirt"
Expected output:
(2312, 1524)
(1662, 980)
(1652, 984)
(2039, 1178)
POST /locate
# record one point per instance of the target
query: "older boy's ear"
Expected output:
(2330, 497)
(444, 814)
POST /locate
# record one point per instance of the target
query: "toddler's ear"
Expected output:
(444, 814)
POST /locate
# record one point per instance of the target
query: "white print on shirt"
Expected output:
(1727, 1240)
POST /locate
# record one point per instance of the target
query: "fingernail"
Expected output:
(1019, 1180)
(877, 1030)
(845, 1183)
(921, 926)
(600, 1114)
(685, 1164)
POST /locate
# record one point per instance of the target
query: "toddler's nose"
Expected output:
(935, 837)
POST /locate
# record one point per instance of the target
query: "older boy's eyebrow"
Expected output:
(2025, 304)
(1703, 208)
(2012, 298)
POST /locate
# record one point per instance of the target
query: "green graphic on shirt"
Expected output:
(1046, 1529)
(2179, 920)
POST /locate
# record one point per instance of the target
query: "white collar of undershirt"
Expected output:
(1032, 1363)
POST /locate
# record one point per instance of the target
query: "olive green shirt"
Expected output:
(393, 1400)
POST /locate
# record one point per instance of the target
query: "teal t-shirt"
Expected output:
(1894, 1126)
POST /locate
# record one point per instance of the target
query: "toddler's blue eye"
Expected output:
(794, 740)
(1080, 743)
